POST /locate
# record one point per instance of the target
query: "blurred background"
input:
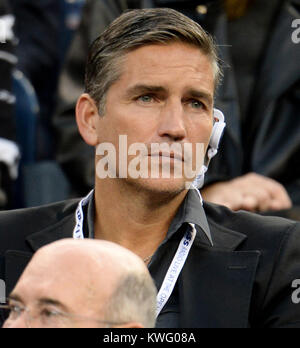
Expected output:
(43, 49)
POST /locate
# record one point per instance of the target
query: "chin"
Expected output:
(160, 186)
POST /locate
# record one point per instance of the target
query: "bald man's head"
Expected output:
(93, 283)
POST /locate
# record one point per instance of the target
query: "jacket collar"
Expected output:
(225, 239)
(62, 229)
(191, 211)
(207, 228)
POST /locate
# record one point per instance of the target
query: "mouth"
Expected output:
(169, 155)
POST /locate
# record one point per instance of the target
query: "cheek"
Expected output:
(119, 120)
(136, 128)
(201, 133)
(108, 130)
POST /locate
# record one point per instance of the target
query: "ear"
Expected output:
(87, 116)
(132, 325)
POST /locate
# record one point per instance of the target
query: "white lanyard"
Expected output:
(78, 230)
(176, 266)
(175, 269)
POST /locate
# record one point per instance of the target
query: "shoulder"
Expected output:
(261, 232)
(15, 225)
(276, 242)
(49, 212)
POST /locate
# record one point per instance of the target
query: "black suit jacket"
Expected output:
(244, 280)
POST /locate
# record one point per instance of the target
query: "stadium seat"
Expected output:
(27, 110)
(40, 182)
(71, 16)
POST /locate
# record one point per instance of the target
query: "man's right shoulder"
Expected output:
(16, 225)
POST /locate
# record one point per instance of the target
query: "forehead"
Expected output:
(73, 282)
(178, 64)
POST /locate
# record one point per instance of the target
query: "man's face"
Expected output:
(58, 291)
(164, 95)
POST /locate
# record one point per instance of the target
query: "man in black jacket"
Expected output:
(258, 166)
(9, 152)
(150, 80)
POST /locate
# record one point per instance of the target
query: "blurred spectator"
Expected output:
(9, 152)
(259, 96)
(73, 154)
(39, 31)
(56, 291)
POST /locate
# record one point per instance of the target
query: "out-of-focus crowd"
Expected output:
(43, 50)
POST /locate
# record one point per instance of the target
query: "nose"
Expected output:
(172, 125)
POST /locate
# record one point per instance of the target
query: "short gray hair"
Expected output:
(134, 300)
(138, 28)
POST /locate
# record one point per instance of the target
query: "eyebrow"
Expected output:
(52, 302)
(137, 89)
(201, 95)
(15, 297)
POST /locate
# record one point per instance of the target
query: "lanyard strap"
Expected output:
(176, 266)
(175, 269)
(78, 229)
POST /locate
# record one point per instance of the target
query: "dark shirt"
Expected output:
(190, 211)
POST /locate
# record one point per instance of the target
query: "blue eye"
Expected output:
(47, 313)
(146, 98)
(196, 104)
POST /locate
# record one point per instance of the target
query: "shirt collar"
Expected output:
(191, 211)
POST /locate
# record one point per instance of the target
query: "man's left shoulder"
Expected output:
(261, 232)
(266, 249)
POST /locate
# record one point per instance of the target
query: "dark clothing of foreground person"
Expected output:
(243, 280)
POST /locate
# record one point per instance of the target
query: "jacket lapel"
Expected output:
(216, 283)
(63, 229)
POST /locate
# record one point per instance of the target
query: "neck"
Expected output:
(139, 221)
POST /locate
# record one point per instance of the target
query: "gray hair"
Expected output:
(134, 300)
(138, 28)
